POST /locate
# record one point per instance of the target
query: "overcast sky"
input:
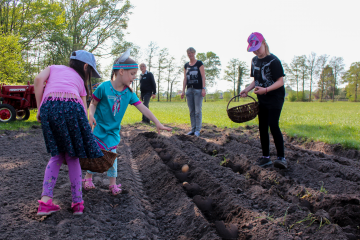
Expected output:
(290, 27)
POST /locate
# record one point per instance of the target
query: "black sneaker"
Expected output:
(190, 133)
(281, 163)
(263, 161)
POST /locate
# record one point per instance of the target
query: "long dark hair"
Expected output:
(115, 71)
(78, 66)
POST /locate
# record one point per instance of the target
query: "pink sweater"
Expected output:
(64, 84)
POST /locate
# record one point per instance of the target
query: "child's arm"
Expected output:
(244, 92)
(39, 88)
(83, 98)
(144, 110)
(92, 109)
(276, 85)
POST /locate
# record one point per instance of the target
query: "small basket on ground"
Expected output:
(101, 164)
(243, 113)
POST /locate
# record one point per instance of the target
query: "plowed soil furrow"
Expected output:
(317, 197)
(177, 217)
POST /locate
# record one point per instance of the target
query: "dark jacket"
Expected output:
(147, 83)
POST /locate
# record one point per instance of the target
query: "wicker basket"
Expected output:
(101, 164)
(243, 113)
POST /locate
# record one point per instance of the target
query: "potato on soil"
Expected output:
(185, 168)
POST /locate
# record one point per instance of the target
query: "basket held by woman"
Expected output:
(243, 113)
(101, 164)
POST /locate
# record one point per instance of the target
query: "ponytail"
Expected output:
(78, 66)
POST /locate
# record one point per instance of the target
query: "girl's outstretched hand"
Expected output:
(159, 127)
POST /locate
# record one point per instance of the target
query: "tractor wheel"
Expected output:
(23, 114)
(7, 113)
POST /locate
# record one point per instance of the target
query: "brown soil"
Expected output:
(236, 198)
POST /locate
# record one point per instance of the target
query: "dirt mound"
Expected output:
(225, 196)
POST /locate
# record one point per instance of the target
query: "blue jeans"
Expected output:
(194, 101)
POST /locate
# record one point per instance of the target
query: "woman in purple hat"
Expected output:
(268, 73)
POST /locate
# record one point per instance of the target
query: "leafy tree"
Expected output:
(286, 71)
(90, 25)
(179, 73)
(303, 73)
(235, 72)
(151, 51)
(312, 68)
(211, 65)
(321, 62)
(325, 82)
(170, 69)
(162, 64)
(352, 78)
(31, 19)
(34, 21)
(119, 48)
(243, 71)
(294, 72)
(337, 64)
(231, 72)
(11, 63)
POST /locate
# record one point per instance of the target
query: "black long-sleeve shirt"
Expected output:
(147, 83)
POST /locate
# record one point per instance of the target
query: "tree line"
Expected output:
(37, 33)
(324, 72)
(321, 74)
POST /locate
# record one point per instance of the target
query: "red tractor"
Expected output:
(16, 102)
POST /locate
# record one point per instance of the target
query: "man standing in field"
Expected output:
(147, 88)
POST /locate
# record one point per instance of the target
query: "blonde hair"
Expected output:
(267, 50)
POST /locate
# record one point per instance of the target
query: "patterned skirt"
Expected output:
(66, 129)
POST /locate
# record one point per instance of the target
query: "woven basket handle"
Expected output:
(236, 97)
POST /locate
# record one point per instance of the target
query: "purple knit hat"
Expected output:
(255, 39)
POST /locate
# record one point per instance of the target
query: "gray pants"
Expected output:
(194, 101)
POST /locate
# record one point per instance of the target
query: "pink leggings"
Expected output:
(52, 172)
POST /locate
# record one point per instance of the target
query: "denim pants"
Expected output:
(112, 172)
(145, 97)
(194, 101)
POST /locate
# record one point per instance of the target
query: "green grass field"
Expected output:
(327, 121)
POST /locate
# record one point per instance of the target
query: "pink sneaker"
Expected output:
(78, 208)
(47, 208)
